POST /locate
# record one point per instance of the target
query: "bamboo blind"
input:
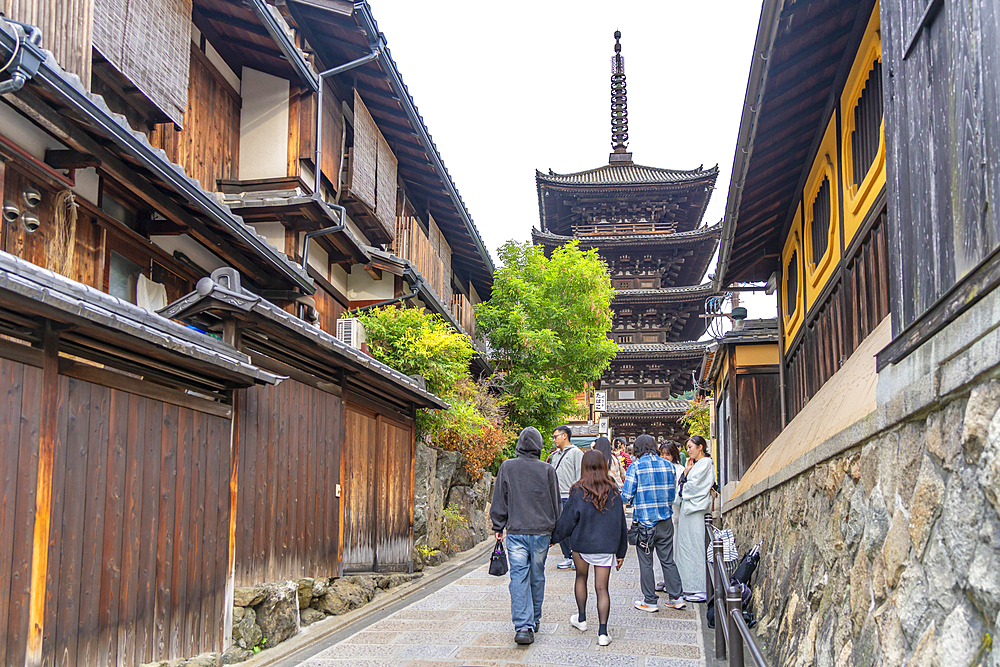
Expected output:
(411, 243)
(67, 29)
(385, 209)
(149, 42)
(364, 155)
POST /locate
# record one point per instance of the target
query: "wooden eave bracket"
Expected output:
(70, 159)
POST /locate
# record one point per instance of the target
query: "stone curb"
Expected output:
(332, 624)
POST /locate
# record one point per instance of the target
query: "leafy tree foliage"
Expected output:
(547, 322)
(416, 343)
(697, 418)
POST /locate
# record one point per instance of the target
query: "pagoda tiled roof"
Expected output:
(694, 236)
(654, 350)
(673, 406)
(629, 174)
(689, 293)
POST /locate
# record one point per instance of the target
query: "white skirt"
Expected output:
(599, 560)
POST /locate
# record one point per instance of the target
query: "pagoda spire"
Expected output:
(619, 105)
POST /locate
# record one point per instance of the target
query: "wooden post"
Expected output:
(231, 335)
(43, 493)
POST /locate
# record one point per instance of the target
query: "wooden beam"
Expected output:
(63, 159)
(373, 271)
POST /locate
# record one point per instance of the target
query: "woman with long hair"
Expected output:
(594, 520)
(696, 483)
(615, 469)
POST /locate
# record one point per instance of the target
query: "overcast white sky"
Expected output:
(507, 89)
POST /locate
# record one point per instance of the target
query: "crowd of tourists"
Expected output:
(578, 500)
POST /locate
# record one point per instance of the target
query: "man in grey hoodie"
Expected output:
(526, 503)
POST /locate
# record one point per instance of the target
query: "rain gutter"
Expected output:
(83, 107)
(364, 13)
(292, 54)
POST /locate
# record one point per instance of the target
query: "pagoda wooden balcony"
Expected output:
(625, 228)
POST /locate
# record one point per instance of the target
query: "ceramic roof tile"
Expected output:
(628, 174)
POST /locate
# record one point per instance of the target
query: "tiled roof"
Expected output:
(693, 349)
(669, 238)
(136, 146)
(628, 174)
(669, 407)
(667, 294)
(753, 331)
(247, 301)
(111, 313)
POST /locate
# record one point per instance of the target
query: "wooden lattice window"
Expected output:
(792, 284)
(820, 227)
(867, 125)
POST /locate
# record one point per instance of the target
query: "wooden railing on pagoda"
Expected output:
(625, 228)
(411, 243)
(461, 308)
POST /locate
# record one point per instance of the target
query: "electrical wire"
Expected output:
(13, 55)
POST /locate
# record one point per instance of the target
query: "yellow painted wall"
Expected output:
(757, 354)
(819, 270)
(858, 200)
(793, 244)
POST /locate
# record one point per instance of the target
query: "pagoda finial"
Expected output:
(619, 105)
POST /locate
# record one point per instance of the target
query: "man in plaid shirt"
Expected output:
(650, 486)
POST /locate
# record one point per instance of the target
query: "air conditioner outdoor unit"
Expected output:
(351, 331)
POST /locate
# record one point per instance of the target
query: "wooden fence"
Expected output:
(139, 536)
(288, 515)
(378, 492)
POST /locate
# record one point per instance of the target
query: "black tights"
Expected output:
(601, 577)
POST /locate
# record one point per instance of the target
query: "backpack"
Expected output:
(746, 595)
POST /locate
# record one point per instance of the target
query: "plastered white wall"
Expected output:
(339, 278)
(362, 287)
(263, 126)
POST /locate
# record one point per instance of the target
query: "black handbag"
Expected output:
(498, 561)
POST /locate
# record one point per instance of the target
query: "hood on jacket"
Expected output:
(529, 443)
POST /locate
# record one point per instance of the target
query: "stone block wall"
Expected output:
(442, 481)
(888, 552)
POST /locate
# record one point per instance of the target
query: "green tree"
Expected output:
(547, 322)
(416, 343)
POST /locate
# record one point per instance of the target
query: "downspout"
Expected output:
(317, 157)
(389, 302)
(24, 59)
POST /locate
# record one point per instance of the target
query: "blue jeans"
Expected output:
(526, 555)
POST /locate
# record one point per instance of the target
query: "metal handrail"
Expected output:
(729, 623)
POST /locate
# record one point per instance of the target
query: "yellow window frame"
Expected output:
(820, 269)
(793, 243)
(859, 199)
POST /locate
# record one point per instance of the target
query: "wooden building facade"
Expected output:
(865, 186)
(647, 225)
(178, 417)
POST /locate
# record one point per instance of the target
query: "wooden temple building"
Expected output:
(194, 193)
(646, 223)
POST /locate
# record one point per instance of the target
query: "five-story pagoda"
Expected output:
(646, 223)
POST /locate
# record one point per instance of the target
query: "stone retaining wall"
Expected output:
(887, 553)
(441, 481)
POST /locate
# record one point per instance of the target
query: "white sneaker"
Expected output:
(579, 625)
(567, 564)
(603, 640)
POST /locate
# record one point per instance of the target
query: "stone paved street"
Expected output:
(468, 622)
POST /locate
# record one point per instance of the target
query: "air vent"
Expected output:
(351, 331)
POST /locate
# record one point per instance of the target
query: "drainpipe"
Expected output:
(387, 302)
(317, 157)
(25, 58)
(319, 108)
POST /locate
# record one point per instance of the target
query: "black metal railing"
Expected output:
(731, 631)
